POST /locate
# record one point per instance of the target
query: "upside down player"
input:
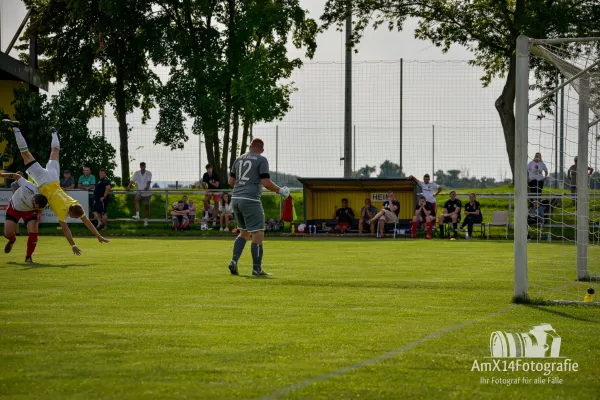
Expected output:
(47, 180)
(25, 203)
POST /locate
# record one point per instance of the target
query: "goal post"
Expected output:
(565, 265)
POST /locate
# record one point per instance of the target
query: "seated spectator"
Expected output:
(388, 214)
(535, 217)
(225, 212)
(180, 216)
(451, 213)
(366, 213)
(472, 215)
(344, 216)
(210, 214)
(192, 210)
(424, 213)
(67, 182)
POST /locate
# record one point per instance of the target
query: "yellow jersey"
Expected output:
(59, 201)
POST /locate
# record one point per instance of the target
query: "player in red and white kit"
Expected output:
(26, 203)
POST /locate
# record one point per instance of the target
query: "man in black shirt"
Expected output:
(212, 183)
(101, 192)
(344, 216)
(472, 215)
(451, 213)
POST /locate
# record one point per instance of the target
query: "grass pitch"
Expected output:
(162, 318)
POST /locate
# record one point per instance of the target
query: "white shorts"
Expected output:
(42, 175)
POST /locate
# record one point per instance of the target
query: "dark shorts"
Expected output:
(145, 199)
(448, 220)
(100, 206)
(249, 215)
(16, 215)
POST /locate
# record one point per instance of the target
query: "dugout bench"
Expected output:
(322, 195)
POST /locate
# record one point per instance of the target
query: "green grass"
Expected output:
(162, 318)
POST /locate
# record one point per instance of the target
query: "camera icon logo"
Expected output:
(541, 341)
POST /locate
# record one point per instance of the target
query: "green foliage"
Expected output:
(453, 179)
(389, 169)
(101, 50)
(79, 147)
(366, 171)
(228, 58)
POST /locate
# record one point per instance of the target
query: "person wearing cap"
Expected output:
(67, 182)
(451, 213)
(572, 173)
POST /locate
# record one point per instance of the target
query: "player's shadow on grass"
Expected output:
(559, 313)
(30, 266)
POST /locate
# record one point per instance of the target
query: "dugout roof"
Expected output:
(15, 70)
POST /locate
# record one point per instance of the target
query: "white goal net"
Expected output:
(557, 195)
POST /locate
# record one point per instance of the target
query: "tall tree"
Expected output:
(234, 56)
(100, 49)
(488, 28)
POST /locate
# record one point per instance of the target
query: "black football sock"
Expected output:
(257, 255)
(238, 248)
(455, 226)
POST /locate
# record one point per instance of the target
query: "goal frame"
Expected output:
(522, 107)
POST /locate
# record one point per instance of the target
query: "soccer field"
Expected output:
(162, 318)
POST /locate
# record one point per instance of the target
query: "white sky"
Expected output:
(448, 95)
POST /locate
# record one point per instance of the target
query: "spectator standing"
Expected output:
(537, 172)
(142, 180)
(424, 212)
(213, 183)
(451, 213)
(429, 189)
(366, 214)
(226, 212)
(344, 216)
(67, 182)
(101, 192)
(388, 214)
(572, 174)
(472, 215)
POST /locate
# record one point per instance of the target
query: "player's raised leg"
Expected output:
(21, 143)
(55, 145)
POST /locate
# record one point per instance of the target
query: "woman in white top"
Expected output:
(226, 211)
(537, 172)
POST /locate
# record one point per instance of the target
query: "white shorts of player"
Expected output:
(42, 175)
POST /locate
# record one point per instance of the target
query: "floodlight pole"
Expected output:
(522, 116)
(348, 97)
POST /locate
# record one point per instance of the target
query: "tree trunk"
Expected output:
(121, 111)
(235, 136)
(505, 105)
(245, 134)
(231, 65)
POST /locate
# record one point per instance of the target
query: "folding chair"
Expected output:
(499, 218)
